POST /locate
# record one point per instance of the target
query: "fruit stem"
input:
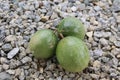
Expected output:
(61, 35)
(55, 31)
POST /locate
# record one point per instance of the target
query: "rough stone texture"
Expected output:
(116, 8)
(5, 76)
(12, 53)
(103, 41)
(7, 47)
(10, 38)
(26, 59)
(20, 19)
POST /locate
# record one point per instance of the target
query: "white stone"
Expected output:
(5, 76)
(103, 41)
(98, 52)
(10, 71)
(10, 38)
(97, 8)
(96, 63)
(5, 66)
(98, 34)
(118, 19)
(3, 60)
(26, 59)
(17, 72)
(12, 53)
(117, 43)
(89, 34)
(73, 8)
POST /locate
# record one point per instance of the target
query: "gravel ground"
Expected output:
(19, 19)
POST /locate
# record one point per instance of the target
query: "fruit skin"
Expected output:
(71, 26)
(43, 43)
(72, 54)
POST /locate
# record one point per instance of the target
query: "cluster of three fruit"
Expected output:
(71, 52)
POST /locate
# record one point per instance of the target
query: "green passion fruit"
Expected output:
(43, 43)
(72, 54)
(71, 26)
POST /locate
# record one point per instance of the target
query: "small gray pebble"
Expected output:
(50, 79)
(2, 35)
(95, 76)
(94, 44)
(17, 72)
(46, 3)
(73, 8)
(115, 6)
(27, 38)
(59, 78)
(5, 5)
(10, 38)
(21, 4)
(31, 7)
(107, 34)
(3, 60)
(103, 41)
(71, 75)
(115, 61)
(118, 34)
(98, 34)
(112, 39)
(5, 76)
(54, 16)
(98, 52)
(37, 18)
(26, 72)
(97, 8)
(18, 21)
(14, 63)
(26, 67)
(65, 77)
(43, 10)
(81, 6)
(115, 51)
(1, 43)
(55, 22)
(34, 65)
(22, 75)
(118, 19)
(26, 59)
(117, 43)
(1, 68)
(7, 47)
(72, 1)
(36, 3)
(51, 67)
(2, 53)
(15, 1)
(5, 66)
(113, 74)
(105, 59)
(119, 27)
(12, 53)
(49, 13)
